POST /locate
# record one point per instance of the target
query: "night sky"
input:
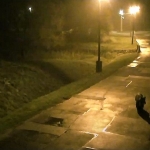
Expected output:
(143, 18)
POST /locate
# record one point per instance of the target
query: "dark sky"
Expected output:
(143, 18)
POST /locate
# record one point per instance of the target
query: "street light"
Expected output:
(133, 10)
(121, 14)
(30, 9)
(99, 62)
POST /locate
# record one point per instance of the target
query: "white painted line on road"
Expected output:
(128, 83)
(94, 134)
(104, 130)
(135, 61)
(133, 65)
(139, 57)
(86, 112)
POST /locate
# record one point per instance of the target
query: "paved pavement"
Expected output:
(101, 117)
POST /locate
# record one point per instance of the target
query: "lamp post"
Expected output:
(133, 10)
(99, 62)
(121, 14)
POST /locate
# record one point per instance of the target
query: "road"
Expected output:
(103, 116)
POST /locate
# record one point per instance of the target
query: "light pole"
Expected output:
(121, 14)
(99, 62)
(133, 10)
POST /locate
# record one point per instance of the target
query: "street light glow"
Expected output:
(121, 12)
(99, 62)
(30, 9)
(134, 9)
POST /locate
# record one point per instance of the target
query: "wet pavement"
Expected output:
(103, 116)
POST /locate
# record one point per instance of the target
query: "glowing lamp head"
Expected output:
(121, 12)
(30, 9)
(134, 9)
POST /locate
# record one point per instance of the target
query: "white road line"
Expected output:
(128, 83)
(104, 130)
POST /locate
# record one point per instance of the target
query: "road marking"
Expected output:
(104, 130)
(128, 83)
(95, 135)
(139, 57)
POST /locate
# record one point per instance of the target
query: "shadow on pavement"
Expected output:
(144, 115)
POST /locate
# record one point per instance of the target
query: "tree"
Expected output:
(47, 23)
(13, 24)
(23, 28)
(82, 18)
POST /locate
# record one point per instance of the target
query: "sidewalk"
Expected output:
(103, 116)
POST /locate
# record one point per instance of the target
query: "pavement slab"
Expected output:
(27, 140)
(111, 141)
(130, 112)
(56, 117)
(91, 124)
(74, 105)
(71, 140)
(42, 128)
(135, 128)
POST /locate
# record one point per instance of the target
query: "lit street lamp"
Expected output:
(133, 11)
(121, 14)
(99, 62)
(30, 9)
